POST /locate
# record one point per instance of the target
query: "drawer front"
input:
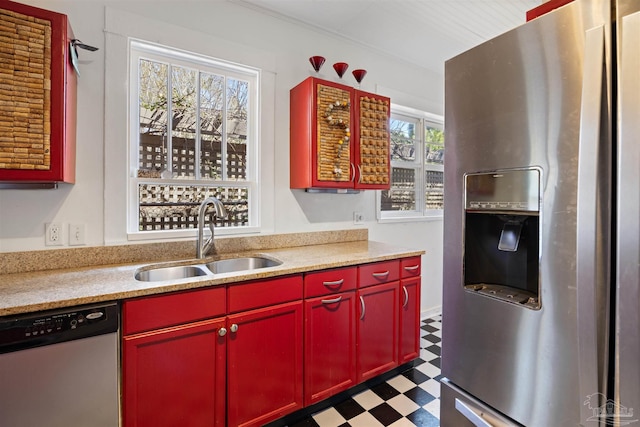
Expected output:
(250, 295)
(155, 312)
(330, 281)
(410, 267)
(379, 272)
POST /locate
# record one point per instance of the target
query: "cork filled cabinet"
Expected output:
(339, 137)
(37, 98)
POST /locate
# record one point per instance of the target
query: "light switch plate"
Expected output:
(76, 234)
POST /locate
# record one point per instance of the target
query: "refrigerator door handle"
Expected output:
(587, 221)
(475, 418)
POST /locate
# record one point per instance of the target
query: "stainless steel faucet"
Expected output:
(220, 212)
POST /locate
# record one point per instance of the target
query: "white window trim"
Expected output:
(420, 167)
(148, 50)
(121, 25)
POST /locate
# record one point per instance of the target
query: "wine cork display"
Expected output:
(25, 92)
(333, 134)
(374, 141)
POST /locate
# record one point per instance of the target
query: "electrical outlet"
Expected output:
(76, 234)
(358, 218)
(53, 234)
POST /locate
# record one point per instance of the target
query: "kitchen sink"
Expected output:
(170, 273)
(230, 265)
(241, 264)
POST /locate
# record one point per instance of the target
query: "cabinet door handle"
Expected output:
(359, 174)
(353, 172)
(382, 274)
(334, 283)
(331, 301)
(234, 328)
(222, 332)
(406, 296)
(412, 267)
(362, 306)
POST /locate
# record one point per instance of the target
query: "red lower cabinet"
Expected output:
(234, 355)
(264, 364)
(377, 330)
(330, 345)
(175, 376)
(241, 368)
(409, 336)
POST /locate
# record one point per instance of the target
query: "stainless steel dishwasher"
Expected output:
(59, 368)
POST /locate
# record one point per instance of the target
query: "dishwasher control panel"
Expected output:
(44, 328)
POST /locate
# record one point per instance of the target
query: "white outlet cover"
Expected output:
(53, 234)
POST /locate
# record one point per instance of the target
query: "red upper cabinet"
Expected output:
(339, 137)
(37, 96)
(545, 8)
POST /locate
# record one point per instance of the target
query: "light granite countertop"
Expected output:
(22, 292)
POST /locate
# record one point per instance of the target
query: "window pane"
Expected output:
(237, 111)
(152, 100)
(434, 144)
(211, 114)
(402, 195)
(434, 190)
(172, 207)
(403, 143)
(183, 119)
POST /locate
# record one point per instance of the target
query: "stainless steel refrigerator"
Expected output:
(541, 301)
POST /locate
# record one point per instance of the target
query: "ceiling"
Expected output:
(423, 32)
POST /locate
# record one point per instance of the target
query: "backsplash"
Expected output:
(27, 261)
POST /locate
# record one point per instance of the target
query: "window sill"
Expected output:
(427, 218)
(188, 233)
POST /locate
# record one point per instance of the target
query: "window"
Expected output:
(417, 167)
(193, 134)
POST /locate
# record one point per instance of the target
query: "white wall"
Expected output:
(280, 46)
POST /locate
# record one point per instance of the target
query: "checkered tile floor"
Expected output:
(409, 399)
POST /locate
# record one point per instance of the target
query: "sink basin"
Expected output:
(241, 264)
(171, 273)
(231, 265)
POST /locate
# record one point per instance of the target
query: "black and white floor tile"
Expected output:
(406, 400)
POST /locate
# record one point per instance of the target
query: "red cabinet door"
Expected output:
(175, 377)
(264, 364)
(377, 330)
(372, 141)
(320, 137)
(330, 346)
(409, 335)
